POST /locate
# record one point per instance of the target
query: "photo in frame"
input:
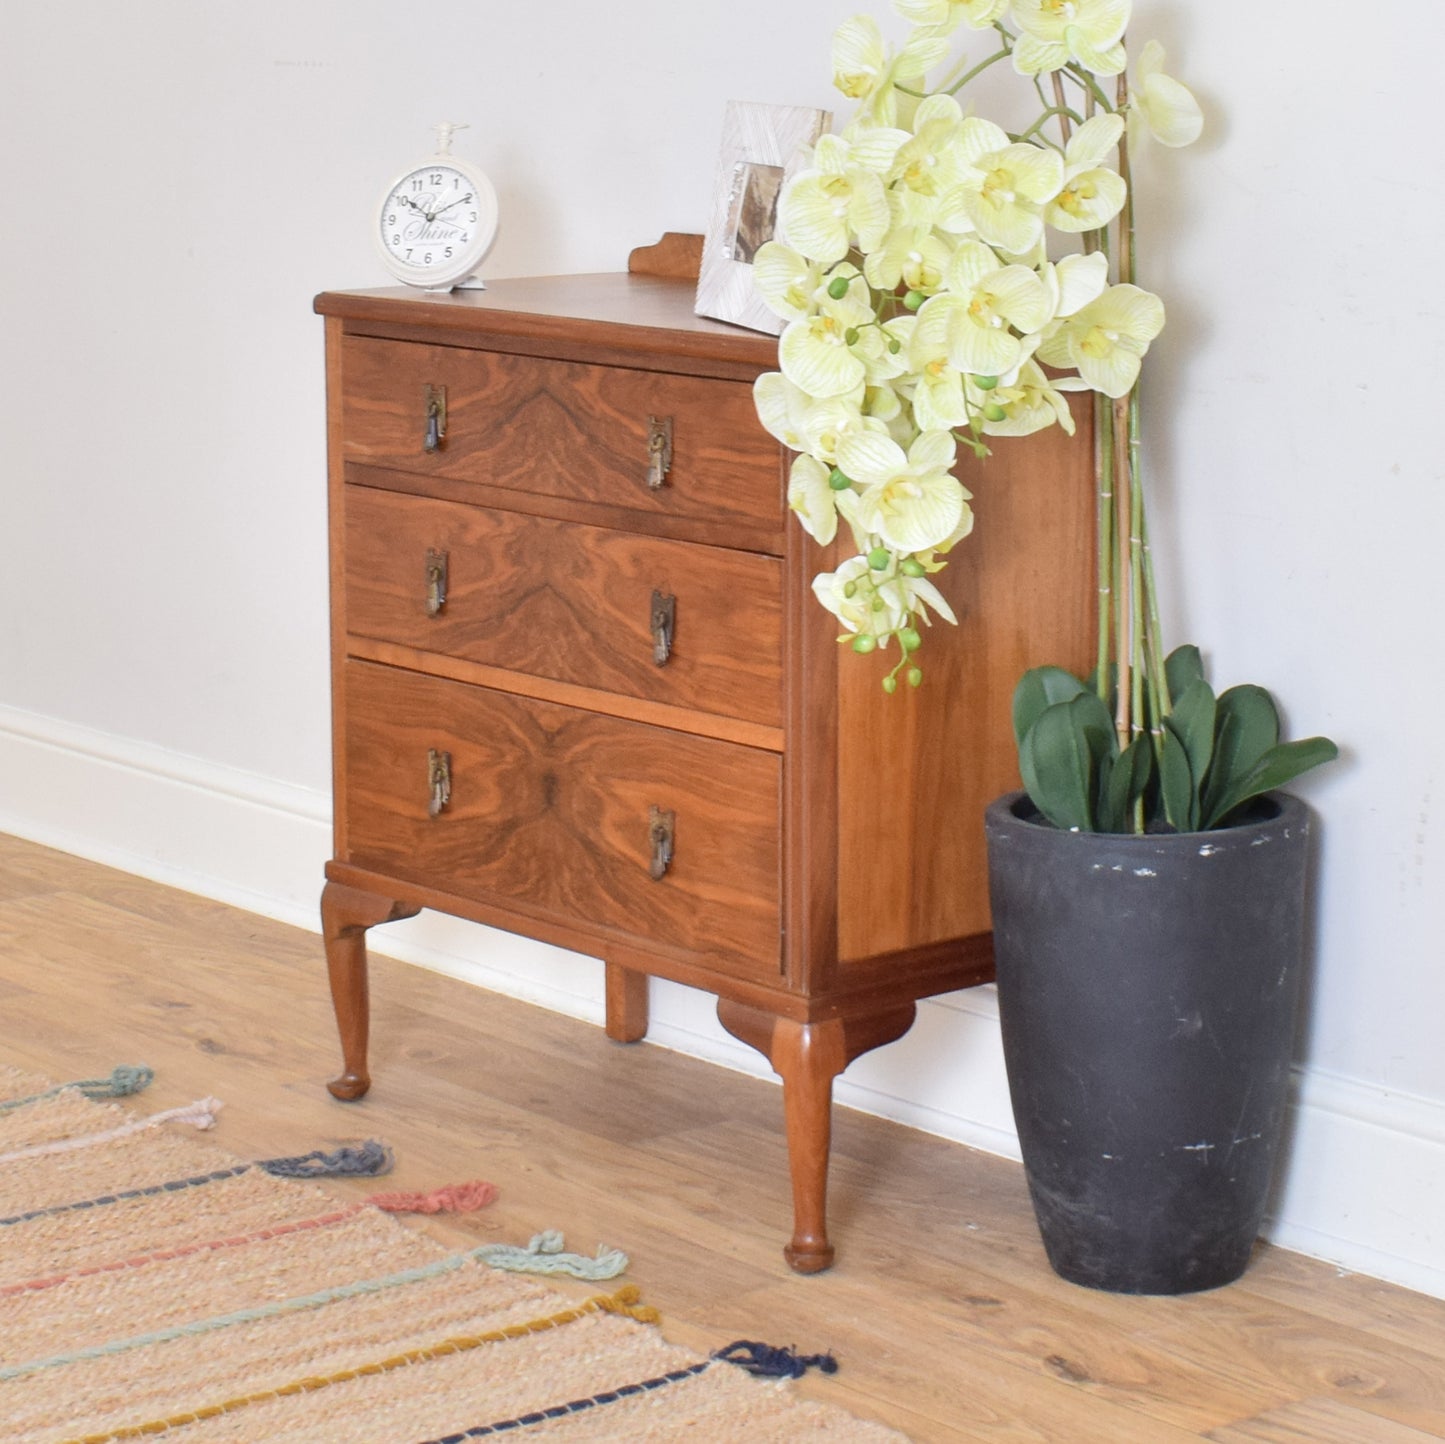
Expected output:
(762, 146)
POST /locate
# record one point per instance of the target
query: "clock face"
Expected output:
(436, 223)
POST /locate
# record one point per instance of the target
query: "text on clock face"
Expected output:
(431, 209)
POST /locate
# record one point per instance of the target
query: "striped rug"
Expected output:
(152, 1284)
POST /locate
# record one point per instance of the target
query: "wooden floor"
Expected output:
(942, 1311)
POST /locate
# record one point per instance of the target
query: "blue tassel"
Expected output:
(366, 1160)
(766, 1362)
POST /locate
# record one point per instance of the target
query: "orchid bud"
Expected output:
(863, 643)
(878, 558)
(838, 287)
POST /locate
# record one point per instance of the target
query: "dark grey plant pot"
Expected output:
(1148, 988)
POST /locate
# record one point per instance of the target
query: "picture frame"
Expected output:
(762, 147)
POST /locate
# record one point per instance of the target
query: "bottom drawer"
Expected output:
(552, 808)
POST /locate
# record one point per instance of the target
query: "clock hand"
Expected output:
(446, 208)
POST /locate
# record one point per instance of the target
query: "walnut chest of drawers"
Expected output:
(582, 689)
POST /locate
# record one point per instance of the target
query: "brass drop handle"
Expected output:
(436, 581)
(660, 829)
(439, 779)
(436, 416)
(659, 450)
(663, 622)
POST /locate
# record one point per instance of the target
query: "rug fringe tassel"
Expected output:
(544, 1255)
(200, 1114)
(362, 1160)
(767, 1362)
(125, 1079)
(451, 1198)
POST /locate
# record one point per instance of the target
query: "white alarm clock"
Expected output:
(437, 220)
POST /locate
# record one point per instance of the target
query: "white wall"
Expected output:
(181, 177)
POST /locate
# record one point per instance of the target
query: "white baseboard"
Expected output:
(1365, 1166)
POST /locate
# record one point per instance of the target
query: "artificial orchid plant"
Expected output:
(944, 282)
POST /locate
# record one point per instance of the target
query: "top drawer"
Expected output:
(562, 429)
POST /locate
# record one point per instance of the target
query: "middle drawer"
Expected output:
(673, 622)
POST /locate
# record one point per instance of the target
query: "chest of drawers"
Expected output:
(582, 690)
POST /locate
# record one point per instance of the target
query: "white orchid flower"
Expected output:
(865, 71)
(932, 163)
(1106, 340)
(812, 500)
(910, 502)
(785, 280)
(817, 352)
(1092, 193)
(875, 607)
(806, 423)
(1160, 104)
(938, 398)
(834, 203)
(912, 255)
(1007, 186)
(1022, 404)
(850, 594)
(947, 15)
(983, 308)
(1074, 281)
(1056, 32)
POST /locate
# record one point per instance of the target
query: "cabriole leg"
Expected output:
(807, 1057)
(346, 914)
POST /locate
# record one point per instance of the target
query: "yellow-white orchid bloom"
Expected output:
(984, 306)
(1022, 404)
(785, 280)
(1075, 281)
(1092, 193)
(1160, 104)
(932, 163)
(1106, 340)
(911, 254)
(865, 71)
(806, 423)
(911, 502)
(946, 15)
(877, 607)
(1007, 186)
(1055, 32)
(812, 500)
(938, 395)
(836, 202)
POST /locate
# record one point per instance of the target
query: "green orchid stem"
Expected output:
(1065, 115)
(979, 68)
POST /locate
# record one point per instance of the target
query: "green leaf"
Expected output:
(1058, 761)
(1181, 667)
(1176, 784)
(1038, 689)
(1122, 784)
(1246, 727)
(1280, 765)
(1193, 719)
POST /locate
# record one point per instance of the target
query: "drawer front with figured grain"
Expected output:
(648, 833)
(680, 447)
(647, 617)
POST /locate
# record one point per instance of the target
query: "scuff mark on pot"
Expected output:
(1203, 1149)
(1145, 872)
